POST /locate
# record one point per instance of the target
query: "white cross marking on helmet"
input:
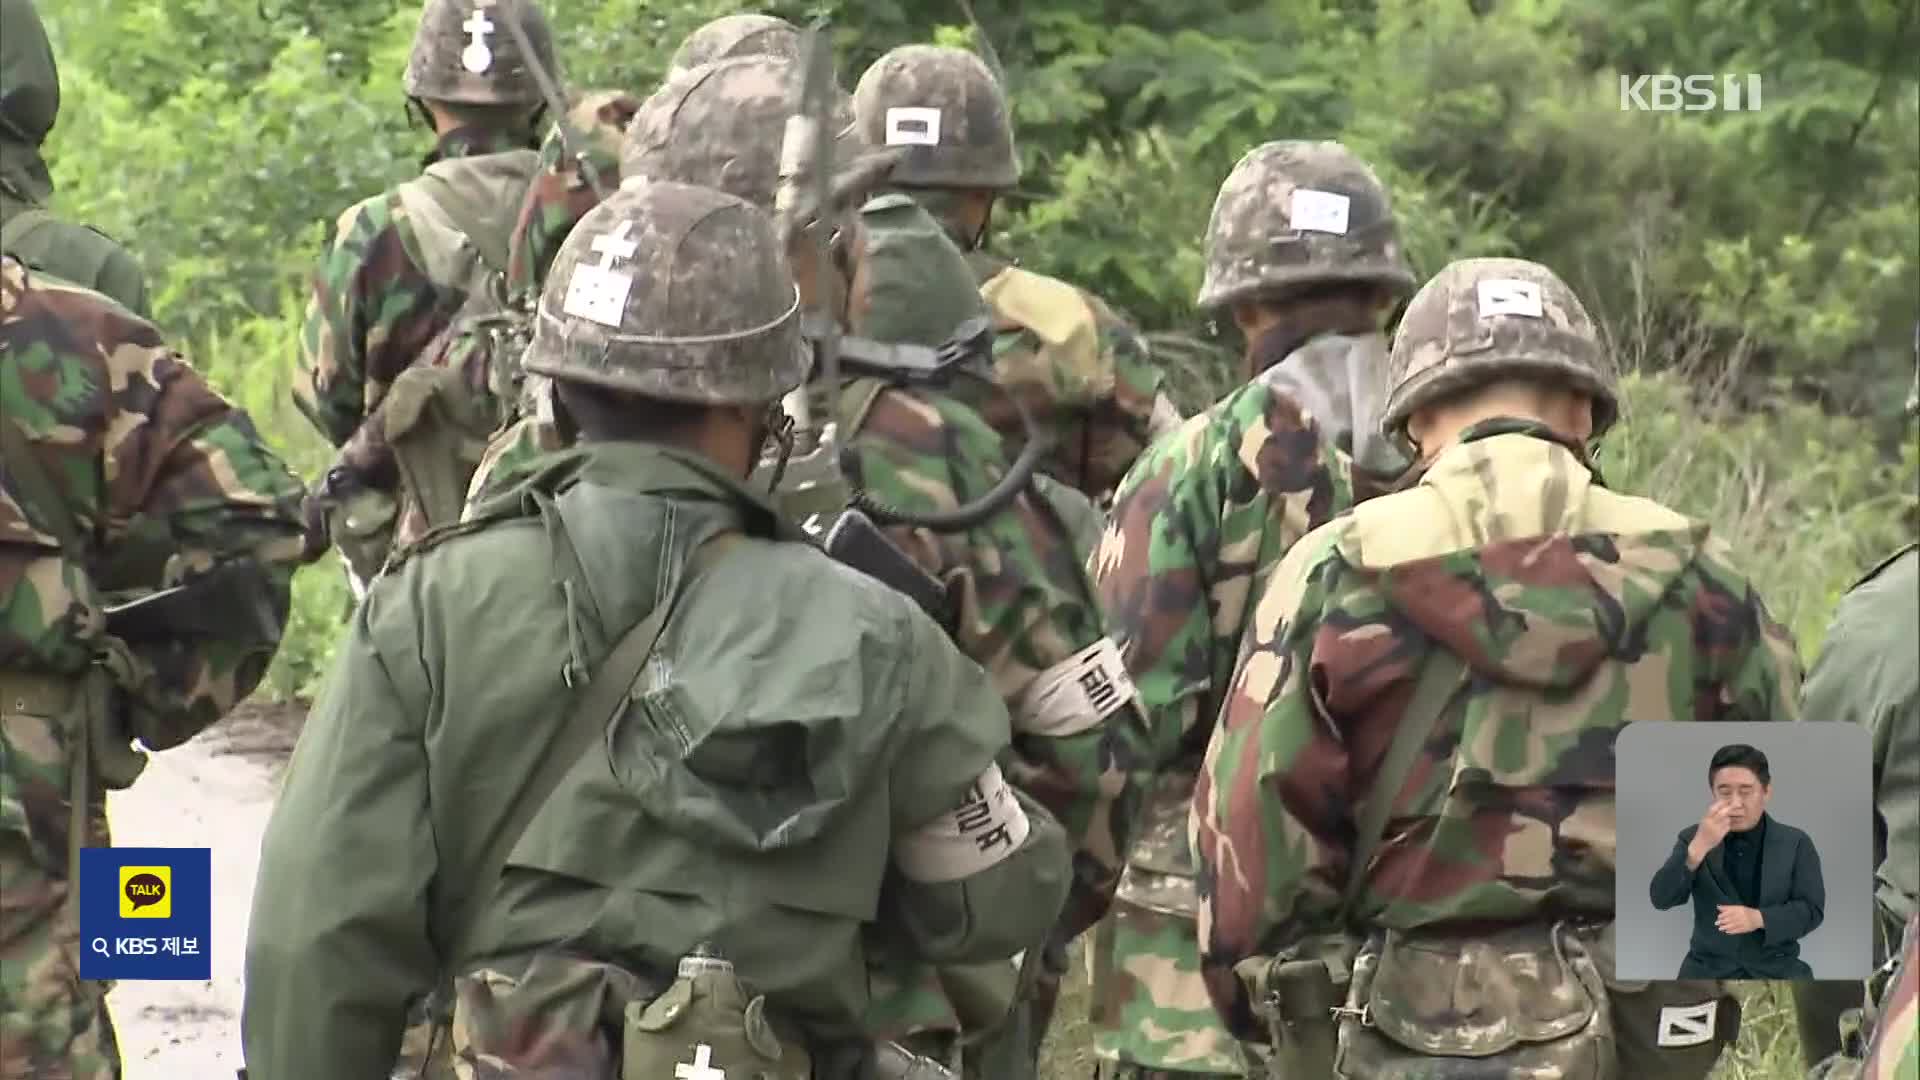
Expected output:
(477, 57)
(702, 1067)
(1510, 296)
(617, 244)
(599, 292)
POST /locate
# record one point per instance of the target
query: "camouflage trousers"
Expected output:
(1150, 1014)
(53, 1026)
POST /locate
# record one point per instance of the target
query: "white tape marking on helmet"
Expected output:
(913, 125)
(1687, 1025)
(987, 827)
(599, 292)
(1319, 211)
(1507, 296)
(1076, 693)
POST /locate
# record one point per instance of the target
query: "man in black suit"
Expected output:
(1755, 882)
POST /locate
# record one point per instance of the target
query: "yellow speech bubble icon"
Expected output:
(146, 892)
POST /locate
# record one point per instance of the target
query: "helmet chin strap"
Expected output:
(778, 426)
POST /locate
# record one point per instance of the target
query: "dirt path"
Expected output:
(213, 792)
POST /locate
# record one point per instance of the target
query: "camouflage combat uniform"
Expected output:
(1199, 524)
(1497, 624)
(791, 715)
(120, 470)
(1083, 371)
(562, 194)
(1025, 608)
(717, 125)
(29, 104)
(403, 263)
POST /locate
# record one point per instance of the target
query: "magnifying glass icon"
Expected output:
(99, 945)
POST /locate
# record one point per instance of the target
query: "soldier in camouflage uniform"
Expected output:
(1026, 609)
(1075, 363)
(119, 470)
(727, 712)
(1866, 675)
(1205, 516)
(29, 104)
(402, 263)
(1405, 823)
(717, 125)
(563, 193)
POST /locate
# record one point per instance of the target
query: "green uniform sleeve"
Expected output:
(1271, 824)
(166, 476)
(1867, 675)
(337, 943)
(968, 888)
(1154, 587)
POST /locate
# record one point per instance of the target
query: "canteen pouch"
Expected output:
(1524, 1001)
(361, 528)
(707, 1020)
(1295, 996)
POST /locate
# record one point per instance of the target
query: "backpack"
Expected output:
(440, 412)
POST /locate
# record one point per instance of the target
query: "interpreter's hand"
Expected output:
(1713, 829)
(1734, 919)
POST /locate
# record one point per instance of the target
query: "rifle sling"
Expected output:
(607, 694)
(1440, 684)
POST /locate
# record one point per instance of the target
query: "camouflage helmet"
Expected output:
(738, 35)
(1299, 213)
(672, 291)
(946, 110)
(720, 125)
(1480, 320)
(463, 52)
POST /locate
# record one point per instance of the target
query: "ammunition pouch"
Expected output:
(438, 428)
(1160, 871)
(1524, 1000)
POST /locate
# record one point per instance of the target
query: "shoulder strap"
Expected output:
(16, 228)
(607, 692)
(1440, 684)
(41, 494)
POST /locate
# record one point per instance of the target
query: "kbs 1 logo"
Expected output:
(146, 913)
(1689, 93)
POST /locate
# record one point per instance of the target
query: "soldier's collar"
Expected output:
(473, 142)
(1513, 425)
(653, 468)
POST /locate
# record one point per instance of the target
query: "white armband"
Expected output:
(987, 827)
(1075, 694)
